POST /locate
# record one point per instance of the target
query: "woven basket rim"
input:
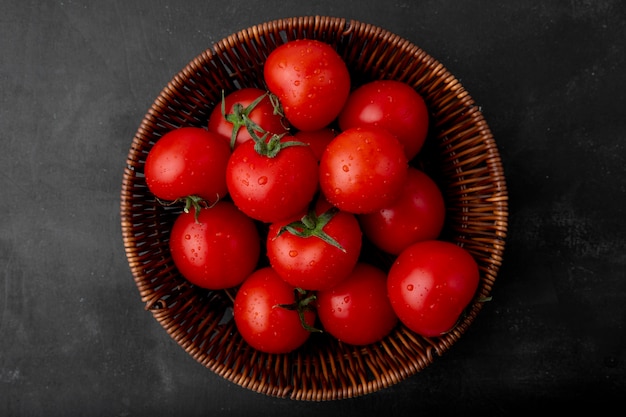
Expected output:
(197, 320)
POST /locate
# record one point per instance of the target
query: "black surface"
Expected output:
(76, 78)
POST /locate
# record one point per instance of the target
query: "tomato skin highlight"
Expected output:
(357, 311)
(270, 189)
(392, 105)
(310, 79)
(418, 214)
(187, 161)
(218, 250)
(311, 263)
(430, 284)
(363, 170)
(261, 321)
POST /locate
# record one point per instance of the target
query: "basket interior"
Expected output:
(460, 154)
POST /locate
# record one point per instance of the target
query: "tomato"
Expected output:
(391, 105)
(241, 111)
(316, 139)
(363, 170)
(430, 284)
(310, 79)
(417, 215)
(188, 161)
(216, 249)
(266, 313)
(357, 311)
(316, 251)
(271, 188)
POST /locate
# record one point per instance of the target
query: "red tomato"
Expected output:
(316, 252)
(189, 161)
(417, 215)
(357, 311)
(273, 188)
(391, 105)
(262, 317)
(238, 113)
(217, 250)
(316, 139)
(363, 170)
(430, 284)
(311, 81)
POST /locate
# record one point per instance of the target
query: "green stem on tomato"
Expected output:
(303, 302)
(240, 117)
(312, 225)
(197, 202)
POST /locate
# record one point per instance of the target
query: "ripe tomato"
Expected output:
(216, 250)
(271, 188)
(391, 105)
(311, 81)
(317, 251)
(430, 284)
(189, 161)
(417, 215)
(358, 311)
(316, 139)
(241, 111)
(266, 313)
(363, 170)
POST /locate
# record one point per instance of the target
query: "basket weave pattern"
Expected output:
(462, 157)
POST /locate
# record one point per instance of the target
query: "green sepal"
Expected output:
(303, 302)
(312, 225)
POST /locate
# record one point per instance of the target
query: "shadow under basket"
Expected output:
(460, 154)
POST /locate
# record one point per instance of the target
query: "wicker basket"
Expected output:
(461, 155)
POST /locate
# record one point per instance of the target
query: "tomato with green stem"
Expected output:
(317, 250)
(272, 179)
(271, 315)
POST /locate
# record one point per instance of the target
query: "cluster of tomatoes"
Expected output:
(284, 186)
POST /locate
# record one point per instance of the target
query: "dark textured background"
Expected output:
(76, 78)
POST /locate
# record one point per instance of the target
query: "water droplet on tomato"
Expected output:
(187, 237)
(346, 299)
(293, 253)
(409, 287)
(262, 180)
(337, 190)
(345, 168)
